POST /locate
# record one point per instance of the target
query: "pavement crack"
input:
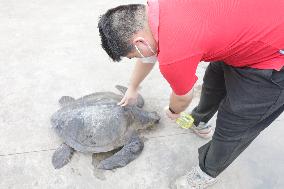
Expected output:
(21, 153)
(163, 136)
(52, 149)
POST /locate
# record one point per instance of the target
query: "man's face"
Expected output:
(133, 55)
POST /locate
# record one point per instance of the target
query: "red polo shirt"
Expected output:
(242, 33)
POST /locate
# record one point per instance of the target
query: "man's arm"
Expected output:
(141, 70)
(180, 103)
(181, 77)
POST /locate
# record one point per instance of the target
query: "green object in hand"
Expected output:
(185, 120)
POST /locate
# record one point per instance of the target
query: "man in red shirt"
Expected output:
(244, 42)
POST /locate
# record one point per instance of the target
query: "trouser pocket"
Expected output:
(277, 77)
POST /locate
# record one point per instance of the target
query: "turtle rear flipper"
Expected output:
(127, 154)
(62, 156)
(140, 100)
(65, 100)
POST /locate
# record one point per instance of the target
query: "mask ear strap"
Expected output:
(139, 51)
(150, 48)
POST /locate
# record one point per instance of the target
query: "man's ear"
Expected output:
(139, 42)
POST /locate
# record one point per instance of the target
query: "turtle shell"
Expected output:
(93, 123)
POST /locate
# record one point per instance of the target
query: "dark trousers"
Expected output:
(248, 100)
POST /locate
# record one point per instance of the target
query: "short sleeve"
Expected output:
(181, 75)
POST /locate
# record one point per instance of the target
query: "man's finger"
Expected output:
(125, 102)
(122, 101)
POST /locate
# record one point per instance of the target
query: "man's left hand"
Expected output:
(171, 115)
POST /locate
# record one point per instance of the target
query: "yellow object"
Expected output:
(185, 120)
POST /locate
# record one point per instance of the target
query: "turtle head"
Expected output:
(55, 120)
(154, 118)
(143, 118)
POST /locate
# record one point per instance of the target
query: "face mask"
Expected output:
(150, 59)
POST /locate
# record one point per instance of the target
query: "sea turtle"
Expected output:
(95, 123)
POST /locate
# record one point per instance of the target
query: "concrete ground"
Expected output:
(50, 48)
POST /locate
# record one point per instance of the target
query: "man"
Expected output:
(244, 40)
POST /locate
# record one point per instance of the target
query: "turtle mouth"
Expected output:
(156, 118)
(53, 121)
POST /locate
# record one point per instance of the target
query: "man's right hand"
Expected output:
(130, 97)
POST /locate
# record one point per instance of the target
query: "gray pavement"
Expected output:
(50, 48)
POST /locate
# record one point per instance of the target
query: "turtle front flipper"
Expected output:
(65, 100)
(62, 156)
(140, 100)
(127, 154)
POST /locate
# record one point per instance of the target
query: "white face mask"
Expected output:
(150, 59)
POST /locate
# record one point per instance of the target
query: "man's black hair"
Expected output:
(117, 27)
